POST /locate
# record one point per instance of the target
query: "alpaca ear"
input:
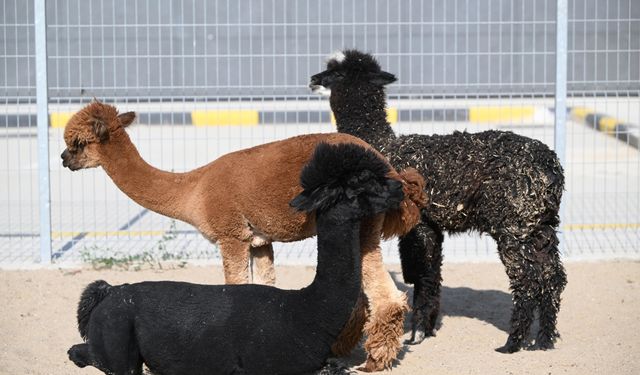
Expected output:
(382, 78)
(127, 118)
(100, 129)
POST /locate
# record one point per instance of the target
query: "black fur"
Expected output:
(493, 182)
(182, 328)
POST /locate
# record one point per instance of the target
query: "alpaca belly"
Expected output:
(260, 234)
(255, 236)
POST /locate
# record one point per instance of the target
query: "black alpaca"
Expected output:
(182, 328)
(492, 182)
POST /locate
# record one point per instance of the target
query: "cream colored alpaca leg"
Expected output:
(262, 270)
(387, 304)
(235, 260)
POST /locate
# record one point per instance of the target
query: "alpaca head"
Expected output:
(350, 68)
(88, 130)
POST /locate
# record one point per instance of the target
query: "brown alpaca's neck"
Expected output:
(160, 191)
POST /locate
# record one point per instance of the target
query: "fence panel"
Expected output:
(210, 77)
(19, 225)
(603, 168)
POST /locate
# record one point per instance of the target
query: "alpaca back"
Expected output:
(476, 180)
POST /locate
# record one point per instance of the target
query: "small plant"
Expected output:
(154, 258)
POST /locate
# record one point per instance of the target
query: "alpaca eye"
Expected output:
(78, 146)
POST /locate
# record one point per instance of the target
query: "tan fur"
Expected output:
(386, 303)
(383, 328)
(241, 194)
(262, 261)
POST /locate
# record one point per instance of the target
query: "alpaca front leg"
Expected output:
(235, 260)
(421, 256)
(262, 270)
(387, 304)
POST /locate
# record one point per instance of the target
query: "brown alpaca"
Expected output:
(241, 201)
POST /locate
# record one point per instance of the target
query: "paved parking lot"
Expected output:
(91, 218)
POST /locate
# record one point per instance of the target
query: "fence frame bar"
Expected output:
(560, 113)
(42, 103)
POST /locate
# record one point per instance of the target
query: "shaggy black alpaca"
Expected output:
(492, 182)
(182, 328)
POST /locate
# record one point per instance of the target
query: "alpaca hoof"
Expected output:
(371, 366)
(418, 336)
(544, 343)
(508, 349)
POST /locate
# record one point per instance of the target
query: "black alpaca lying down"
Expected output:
(494, 182)
(190, 329)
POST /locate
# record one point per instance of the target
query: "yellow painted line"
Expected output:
(601, 226)
(152, 233)
(500, 114)
(225, 117)
(392, 116)
(113, 233)
(580, 113)
(60, 119)
(608, 124)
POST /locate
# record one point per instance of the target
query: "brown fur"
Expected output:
(400, 222)
(242, 199)
(352, 331)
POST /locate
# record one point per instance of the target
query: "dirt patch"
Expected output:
(599, 320)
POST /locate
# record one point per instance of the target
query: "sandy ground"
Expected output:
(599, 320)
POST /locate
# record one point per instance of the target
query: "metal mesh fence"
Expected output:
(18, 160)
(463, 64)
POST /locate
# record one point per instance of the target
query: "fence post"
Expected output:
(42, 102)
(561, 92)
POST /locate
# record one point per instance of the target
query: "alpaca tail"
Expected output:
(349, 175)
(92, 295)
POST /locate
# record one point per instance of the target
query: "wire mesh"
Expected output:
(462, 65)
(18, 154)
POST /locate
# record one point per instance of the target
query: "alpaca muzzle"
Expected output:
(317, 88)
(67, 162)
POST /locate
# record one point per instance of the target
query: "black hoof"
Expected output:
(508, 349)
(544, 343)
(334, 367)
(418, 336)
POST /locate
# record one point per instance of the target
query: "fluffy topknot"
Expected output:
(354, 61)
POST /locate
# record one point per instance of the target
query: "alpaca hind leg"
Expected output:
(262, 270)
(387, 304)
(421, 256)
(235, 260)
(524, 276)
(554, 280)
(352, 331)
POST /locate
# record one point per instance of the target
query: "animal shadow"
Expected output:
(490, 306)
